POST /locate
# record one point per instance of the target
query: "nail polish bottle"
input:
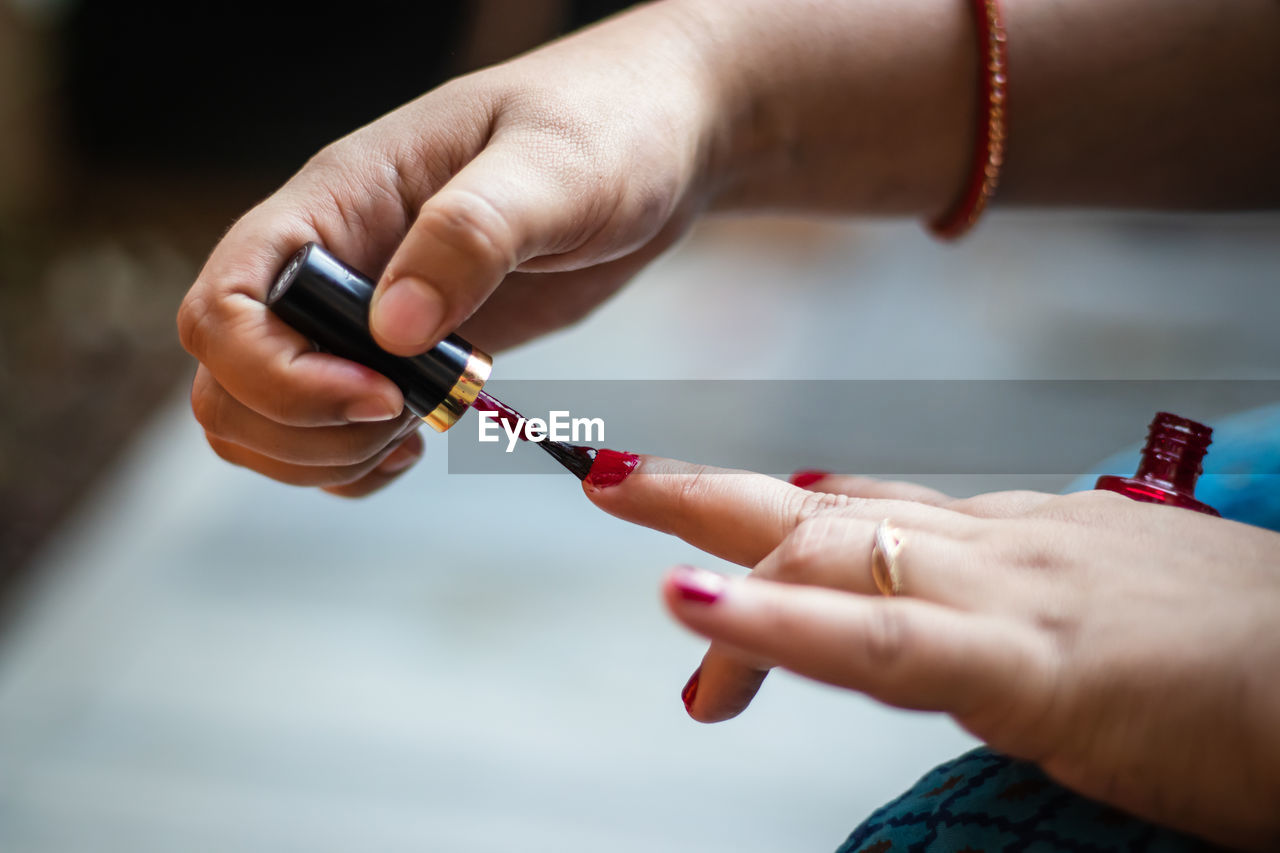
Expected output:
(1170, 465)
(327, 301)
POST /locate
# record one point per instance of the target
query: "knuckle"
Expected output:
(1056, 617)
(691, 494)
(1042, 560)
(205, 408)
(687, 509)
(279, 397)
(210, 404)
(1041, 704)
(805, 504)
(327, 158)
(194, 319)
(802, 554)
(1035, 546)
(290, 407)
(885, 638)
(225, 450)
(471, 224)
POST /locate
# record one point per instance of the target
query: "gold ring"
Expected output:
(884, 559)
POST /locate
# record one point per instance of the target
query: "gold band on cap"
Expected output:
(462, 394)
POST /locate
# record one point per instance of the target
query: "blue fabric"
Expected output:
(1241, 476)
(983, 802)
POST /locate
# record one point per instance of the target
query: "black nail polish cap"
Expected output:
(328, 302)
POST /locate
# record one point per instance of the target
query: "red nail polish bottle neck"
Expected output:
(1170, 466)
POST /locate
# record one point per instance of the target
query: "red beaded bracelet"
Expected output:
(988, 151)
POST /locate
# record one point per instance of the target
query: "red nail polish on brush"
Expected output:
(1170, 466)
(577, 458)
(610, 468)
(806, 478)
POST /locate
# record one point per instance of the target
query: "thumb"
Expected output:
(488, 219)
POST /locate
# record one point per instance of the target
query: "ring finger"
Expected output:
(927, 554)
(396, 457)
(226, 418)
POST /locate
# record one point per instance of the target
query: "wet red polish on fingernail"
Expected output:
(690, 690)
(611, 467)
(697, 585)
(807, 477)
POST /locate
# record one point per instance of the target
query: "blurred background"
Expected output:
(132, 138)
(194, 658)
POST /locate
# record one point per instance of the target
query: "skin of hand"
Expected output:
(534, 174)
(1128, 649)
(561, 173)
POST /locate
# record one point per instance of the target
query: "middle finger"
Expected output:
(226, 418)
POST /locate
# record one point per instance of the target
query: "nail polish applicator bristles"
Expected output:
(576, 458)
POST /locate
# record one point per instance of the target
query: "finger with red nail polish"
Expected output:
(739, 516)
(726, 681)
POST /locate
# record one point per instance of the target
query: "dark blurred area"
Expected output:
(133, 135)
(247, 89)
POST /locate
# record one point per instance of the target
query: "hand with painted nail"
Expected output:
(1126, 648)
(511, 202)
(557, 176)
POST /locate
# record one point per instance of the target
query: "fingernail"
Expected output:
(691, 690)
(370, 409)
(807, 477)
(697, 585)
(408, 313)
(610, 468)
(401, 458)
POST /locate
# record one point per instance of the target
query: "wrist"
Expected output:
(846, 108)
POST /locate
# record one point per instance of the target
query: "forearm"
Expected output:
(856, 106)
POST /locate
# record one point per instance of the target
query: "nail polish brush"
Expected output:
(328, 302)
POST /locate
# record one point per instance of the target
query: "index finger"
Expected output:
(262, 362)
(738, 516)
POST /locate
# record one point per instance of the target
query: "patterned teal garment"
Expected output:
(983, 802)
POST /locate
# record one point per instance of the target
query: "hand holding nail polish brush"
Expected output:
(328, 302)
